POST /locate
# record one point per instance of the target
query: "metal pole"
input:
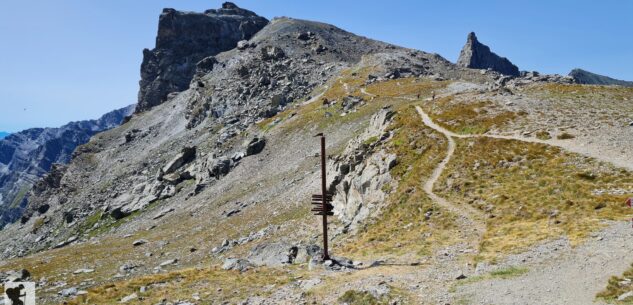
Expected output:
(326, 256)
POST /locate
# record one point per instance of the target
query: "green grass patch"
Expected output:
(355, 297)
(617, 286)
(19, 197)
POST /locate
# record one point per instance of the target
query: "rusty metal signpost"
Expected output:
(323, 202)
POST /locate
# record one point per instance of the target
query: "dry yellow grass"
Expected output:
(532, 192)
(210, 284)
(472, 117)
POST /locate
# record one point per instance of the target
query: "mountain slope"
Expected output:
(27, 155)
(585, 77)
(444, 179)
(3, 134)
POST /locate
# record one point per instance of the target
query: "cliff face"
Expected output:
(27, 155)
(476, 55)
(184, 39)
(585, 77)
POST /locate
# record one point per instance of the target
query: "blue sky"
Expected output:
(69, 60)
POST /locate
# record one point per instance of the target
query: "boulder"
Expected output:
(272, 53)
(255, 146)
(17, 276)
(305, 36)
(205, 66)
(273, 254)
(186, 155)
(220, 167)
(236, 264)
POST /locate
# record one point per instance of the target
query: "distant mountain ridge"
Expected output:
(27, 155)
(585, 77)
(3, 134)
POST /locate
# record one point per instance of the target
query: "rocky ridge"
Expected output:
(581, 76)
(27, 155)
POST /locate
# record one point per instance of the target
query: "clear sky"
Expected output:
(69, 60)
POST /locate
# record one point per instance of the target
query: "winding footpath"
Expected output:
(558, 273)
(472, 217)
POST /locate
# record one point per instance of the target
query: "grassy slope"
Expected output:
(467, 117)
(402, 228)
(532, 192)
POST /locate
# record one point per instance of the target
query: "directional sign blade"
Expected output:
(327, 213)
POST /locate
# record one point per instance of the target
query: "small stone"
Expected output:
(78, 271)
(130, 297)
(169, 262)
(68, 292)
(626, 296)
(139, 242)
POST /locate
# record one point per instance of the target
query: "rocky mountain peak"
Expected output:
(472, 38)
(184, 39)
(476, 55)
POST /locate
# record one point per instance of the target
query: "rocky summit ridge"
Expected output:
(476, 55)
(185, 38)
(581, 76)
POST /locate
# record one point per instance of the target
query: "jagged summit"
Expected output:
(585, 77)
(476, 55)
(185, 38)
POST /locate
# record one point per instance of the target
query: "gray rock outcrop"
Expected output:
(476, 55)
(184, 40)
(360, 173)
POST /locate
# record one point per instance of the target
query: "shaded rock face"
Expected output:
(581, 76)
(476, 55)
(183, 40)
(27, 155)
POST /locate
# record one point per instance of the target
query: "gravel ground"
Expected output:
(559, 273)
